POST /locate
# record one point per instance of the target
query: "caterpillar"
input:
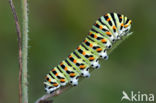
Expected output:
(103, 34)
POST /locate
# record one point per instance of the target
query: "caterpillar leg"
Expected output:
(104, 55)
(125, 31)
(84, 68)
(74, 81)
(95, 64)
(85, 73)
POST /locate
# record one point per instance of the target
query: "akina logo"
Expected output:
(137, 97)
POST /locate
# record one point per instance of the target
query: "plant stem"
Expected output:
(19, 37)
(24, 5)
(23, 49)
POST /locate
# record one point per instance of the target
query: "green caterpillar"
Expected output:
(103, 34)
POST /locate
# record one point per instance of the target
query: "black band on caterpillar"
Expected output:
(103, 34)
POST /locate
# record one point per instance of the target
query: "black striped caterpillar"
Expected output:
(103, 34)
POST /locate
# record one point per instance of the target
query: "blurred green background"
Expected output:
(56, 27)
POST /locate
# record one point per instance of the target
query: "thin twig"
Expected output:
(24, 5)
(19, 47)
(45, 98)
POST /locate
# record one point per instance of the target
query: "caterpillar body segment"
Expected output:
(112, 25)
(101, 40)
(51, 83)
(59, 76)
(81, 64)
(98, 50)
(70, 72)
(88, 56)
(103, 29)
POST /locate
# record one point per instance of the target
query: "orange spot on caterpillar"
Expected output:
(61, 63)
(91, 45)
(101, 27)
(90, 33)
(95, 36)
(114, 27)
(82, 66)
(108, 19)
(103, 40)
(108, 33)
(74, 61)
(120, 17)
(126, 26)
(122, 24)
(55, 84)
(85, 41)
(49, 80)
(72, 74)
(70, 56)
(91, 58)
(78, 48)
(83, 53)
(65, 68)
(56, 74)
(98, 49)
(62, 80)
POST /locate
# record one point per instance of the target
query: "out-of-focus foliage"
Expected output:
(57, 27)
